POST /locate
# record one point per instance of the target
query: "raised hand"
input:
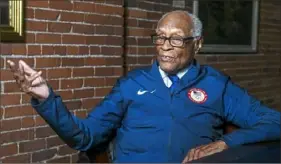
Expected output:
(29, 81)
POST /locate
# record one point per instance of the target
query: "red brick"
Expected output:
(85, 7)
(33, 50)
(11, 87)
(94, 82)
(60, 50)
(72, 50)
(19, 111)
(73, 39)
(66, 95)
(6, 150)
(139, 32)
(72, 62)
(16, 136)
(137, 14)
(27, 122)
(107, 20)
(95, 61)
(54, 141)
(65, 159)
(84, 93)
(83, 29)
(116, 2)
(44, 132)
(36, 26)
(13, 124)
(110, 81)
(144, 60)
(64, 150)
(43, 155)
(61, 5)
(30, 37)
(13, 99)
(100, 92)
(72, 17)
(81, 72)
(119, 71)
(47, 50)
(47, 62)
(46, 14)
(132, 22)
(114, 51)
(106, 71)
(54, 84)
(41, 4)
(112, 10)
(25, 99)
(19, 49)
(59, 73)
(84, 50)
(39, 121)
(145, 24)
(31, 146)
(59, 27)
(48, 38)
(5, 49)
(29, 13)
(95, 50)
(71, 83)
(95, 40)
(154, 16)
(23, 158)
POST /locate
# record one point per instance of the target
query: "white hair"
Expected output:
(197, 24)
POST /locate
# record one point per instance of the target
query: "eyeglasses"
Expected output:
(175, 41)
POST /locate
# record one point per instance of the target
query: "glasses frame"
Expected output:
(184, 39)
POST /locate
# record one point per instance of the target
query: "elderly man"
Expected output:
(172, 111)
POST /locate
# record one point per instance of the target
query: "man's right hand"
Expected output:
(29, 80)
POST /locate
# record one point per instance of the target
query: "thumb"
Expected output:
(27, 69)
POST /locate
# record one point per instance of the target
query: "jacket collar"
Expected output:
(155, 80)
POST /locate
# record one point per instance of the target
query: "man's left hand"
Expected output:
(205, 150)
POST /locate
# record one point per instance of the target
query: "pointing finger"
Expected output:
(27, 69)
(12, 65)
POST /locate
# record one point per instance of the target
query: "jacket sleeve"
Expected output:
(256, 121)
(83, 134)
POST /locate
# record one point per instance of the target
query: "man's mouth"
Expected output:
(167, 58)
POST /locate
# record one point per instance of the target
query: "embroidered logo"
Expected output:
(197, 95)
(141, 92)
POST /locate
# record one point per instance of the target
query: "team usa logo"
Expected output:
(197, 95)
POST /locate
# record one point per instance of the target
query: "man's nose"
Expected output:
(167, 45)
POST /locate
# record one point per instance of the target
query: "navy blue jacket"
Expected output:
(153, 125)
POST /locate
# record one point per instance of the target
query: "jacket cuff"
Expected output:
(42, 105)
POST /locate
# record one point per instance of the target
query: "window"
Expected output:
(229, 26)
(12, 21)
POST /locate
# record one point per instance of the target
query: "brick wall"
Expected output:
(79, 47)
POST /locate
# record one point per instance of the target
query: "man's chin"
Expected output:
(168, 68)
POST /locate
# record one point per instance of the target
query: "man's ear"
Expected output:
(198, 45)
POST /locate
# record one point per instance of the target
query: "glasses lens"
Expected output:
(176, 42)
